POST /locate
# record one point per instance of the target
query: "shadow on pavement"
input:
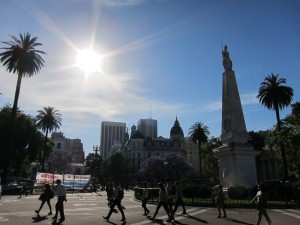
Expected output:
(237, 221)
(38, 219)
(195, 218)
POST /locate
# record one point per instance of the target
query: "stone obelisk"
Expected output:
(237, 165)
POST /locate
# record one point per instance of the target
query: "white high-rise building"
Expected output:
(111, 132)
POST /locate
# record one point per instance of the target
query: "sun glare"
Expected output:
(88, 61)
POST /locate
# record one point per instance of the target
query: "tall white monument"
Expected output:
(237, 165)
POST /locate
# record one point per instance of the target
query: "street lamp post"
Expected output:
(165, 167)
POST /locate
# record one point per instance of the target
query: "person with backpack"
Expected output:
(116, 201)
(47, 195)
(261, 198)
(145, 199)
(179, 201)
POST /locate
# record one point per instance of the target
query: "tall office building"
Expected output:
(111, 132)
(148, 127)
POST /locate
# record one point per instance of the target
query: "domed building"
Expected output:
(139, 147)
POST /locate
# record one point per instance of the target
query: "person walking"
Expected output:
(162, 202)
(171, 192)
(145, 199)
(261, 198)
(23, 190)
(46, 197)
(179, 201)
(61, 197)
(116, 201)
(220, 201)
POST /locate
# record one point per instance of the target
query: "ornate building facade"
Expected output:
(138, 148)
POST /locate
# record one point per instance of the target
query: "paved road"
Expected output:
(88, 209)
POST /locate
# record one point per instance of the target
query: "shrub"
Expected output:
(237, 192)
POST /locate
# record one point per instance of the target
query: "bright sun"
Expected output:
(88, 61)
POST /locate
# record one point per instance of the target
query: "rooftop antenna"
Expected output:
(150, 110)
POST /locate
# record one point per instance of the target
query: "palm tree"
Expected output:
(199, 134)
(22, 58)
(274, 95)
(48, 119)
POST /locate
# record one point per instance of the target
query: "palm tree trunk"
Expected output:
(44, 152)
(200, 159)
(11, 128)
(282, 148)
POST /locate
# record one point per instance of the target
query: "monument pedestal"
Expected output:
(237, 165)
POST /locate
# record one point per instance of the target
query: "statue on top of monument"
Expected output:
(227, 63)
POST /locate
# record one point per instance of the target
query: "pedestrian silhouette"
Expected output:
(178, 197)
(261, 198)
(23, 190)
(220, 200)
(145, 199)
(61, 198)
(162, 202)
(117, 197)
(47, 195)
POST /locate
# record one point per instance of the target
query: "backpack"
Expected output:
(121, 193)
(173, 190)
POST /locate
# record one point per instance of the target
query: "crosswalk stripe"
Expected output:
(287, 213)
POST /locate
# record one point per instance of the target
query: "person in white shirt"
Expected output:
(61, 197)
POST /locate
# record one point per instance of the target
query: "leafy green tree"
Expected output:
(199, 134)
(289, 135)
(48, 119)
(94, 162)
(25, 148)
(274, 95)
(257, 139)
(210, 162)
(115, 167)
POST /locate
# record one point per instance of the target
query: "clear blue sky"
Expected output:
(161, 58)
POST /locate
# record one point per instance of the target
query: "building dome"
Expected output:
(176, 130)
(137, 135)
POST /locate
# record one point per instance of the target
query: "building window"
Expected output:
(138, 154)
(149, 155)
(58, 145)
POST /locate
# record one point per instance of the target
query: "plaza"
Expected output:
(88, 208)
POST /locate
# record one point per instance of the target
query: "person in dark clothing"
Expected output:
(145, 199)
(23, 190)
(179, 201)
(46, 197)
(261, 198)
(220, 201)
(116, 201)
(163, 202)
